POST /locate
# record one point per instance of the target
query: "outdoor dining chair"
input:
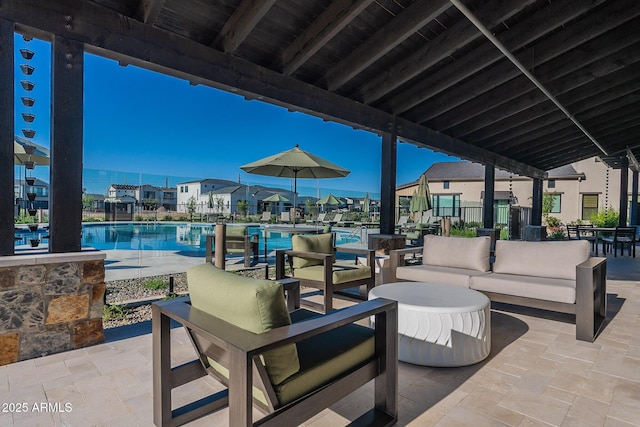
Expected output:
(622, 236)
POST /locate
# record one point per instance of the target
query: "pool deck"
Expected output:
(537, 374)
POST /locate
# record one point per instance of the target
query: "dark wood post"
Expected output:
(487, 202)
(7, 201)
(65, 197)
(536, 211)
(624, 191)
(388, 180)
(633, 219)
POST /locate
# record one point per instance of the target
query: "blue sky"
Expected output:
(146, 123)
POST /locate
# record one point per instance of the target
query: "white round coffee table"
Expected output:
(439, 325)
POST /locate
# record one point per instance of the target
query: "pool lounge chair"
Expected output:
(285, 217)
(288, 366)
(266, 216)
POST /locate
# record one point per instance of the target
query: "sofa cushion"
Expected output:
(341, 273)
(437, 274)
(254, 305)
(458, 252)
(236, 230)
(557, 260)
(543, 288)
(319, 243)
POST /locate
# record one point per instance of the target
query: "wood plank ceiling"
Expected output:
(420, 64)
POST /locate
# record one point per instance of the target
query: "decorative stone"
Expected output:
(39, 344)
(88, 333)
(21, 309)
(383, 243)
(93, 272)
(32, 275)
(8, 349)
(67, 309)
(7, 278)
(63, 279)
(98, 293)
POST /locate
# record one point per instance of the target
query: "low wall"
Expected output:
(50, 303)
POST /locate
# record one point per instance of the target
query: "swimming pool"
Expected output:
(181, 237)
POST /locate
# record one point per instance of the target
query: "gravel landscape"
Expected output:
(129, 301)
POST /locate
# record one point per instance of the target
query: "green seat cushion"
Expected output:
(319, 243)
(254, 305)
(326, 357)
(237, 230)
(341, 273)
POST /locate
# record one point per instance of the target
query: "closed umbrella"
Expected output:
(421, 200)
(295, 163)
(367, 202)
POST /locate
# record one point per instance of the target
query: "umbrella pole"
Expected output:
(295, 193)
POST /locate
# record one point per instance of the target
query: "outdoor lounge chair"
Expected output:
(288, 366)
(239, 241)
(266, 216)
(312, 261)
(285, 217)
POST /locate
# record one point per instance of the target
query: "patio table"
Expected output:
(597, 231)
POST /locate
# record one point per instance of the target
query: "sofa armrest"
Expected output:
(591, 298)
(396, 258)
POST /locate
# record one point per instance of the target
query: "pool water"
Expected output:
(185, 237)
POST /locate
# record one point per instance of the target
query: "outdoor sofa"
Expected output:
(555, 275)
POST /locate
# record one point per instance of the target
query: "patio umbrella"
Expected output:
(329, 199)
(421, 200)
(276, 198)
(295, 163)
(40, 154)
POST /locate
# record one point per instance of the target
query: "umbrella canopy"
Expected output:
(367, 202)
(21, 154)
(276, 198)
(295, 163)
(329, 199)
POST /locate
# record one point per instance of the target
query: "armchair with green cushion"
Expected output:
(312, 261)
(290, 366)
(239, 241)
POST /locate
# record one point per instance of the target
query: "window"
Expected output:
(445, 185)
(589, 205)
(551, 183)
(557, 203)
(446, 205)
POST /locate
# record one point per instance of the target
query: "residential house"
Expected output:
(39, 192)
(579, 189)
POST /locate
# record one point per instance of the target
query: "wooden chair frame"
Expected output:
(327, 286)
(239, 351)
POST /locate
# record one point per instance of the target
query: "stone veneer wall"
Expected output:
(50, 303)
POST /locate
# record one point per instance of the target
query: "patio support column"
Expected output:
(633, 219)
(7, 201)
(487, 202)
(536, 207)
(388, 180)
(65, 197)
(624, 191)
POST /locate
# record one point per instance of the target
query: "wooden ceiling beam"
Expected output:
(243, 20)
(497, 85)
(548, 19)
(523, 108)
(149, 10)
(442, 46)
(613, 92)
(135, 43)
(408, 22)
(329, 23)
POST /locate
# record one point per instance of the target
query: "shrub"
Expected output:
(553, 222)
(167, 218)
(556, 233)
(155, 283)
(114, 312)
(606, 218)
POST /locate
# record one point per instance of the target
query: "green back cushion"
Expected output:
(237, 230)
(254, 305)
(319, 243)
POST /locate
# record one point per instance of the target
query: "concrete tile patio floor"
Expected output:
(536, 375)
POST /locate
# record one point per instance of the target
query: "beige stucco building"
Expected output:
(579, 189)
